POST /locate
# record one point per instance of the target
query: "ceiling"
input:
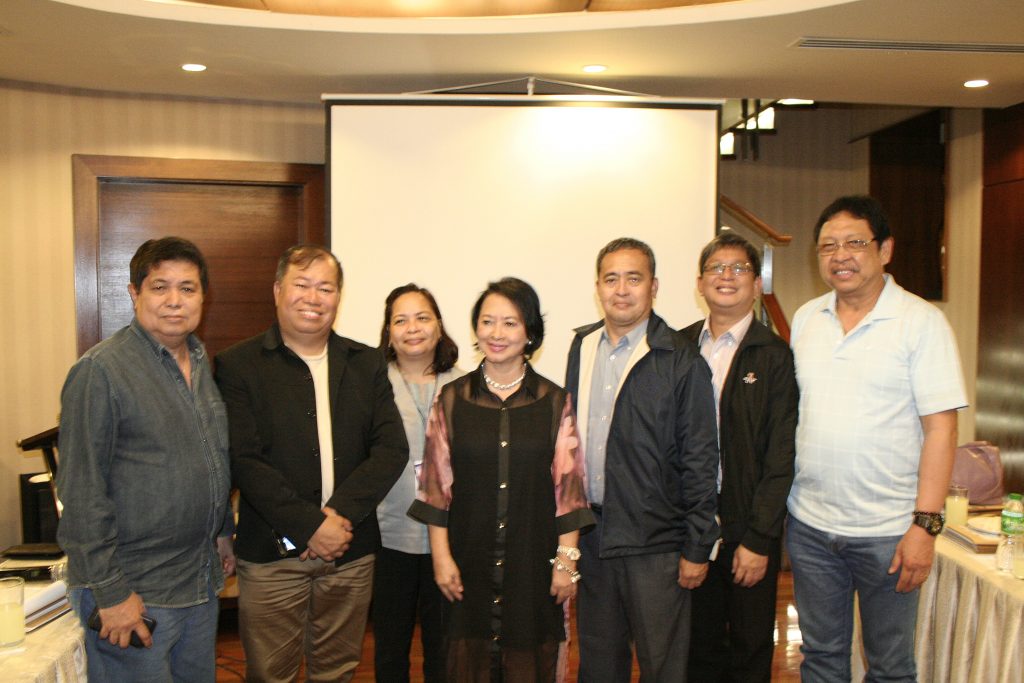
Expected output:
(906, 52)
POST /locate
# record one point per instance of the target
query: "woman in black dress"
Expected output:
(502, 490)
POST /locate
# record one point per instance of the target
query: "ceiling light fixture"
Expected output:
(193, 67)
(594, 68)
(795, 102)
(976, 83)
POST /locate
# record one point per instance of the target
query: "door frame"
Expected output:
(89, 172)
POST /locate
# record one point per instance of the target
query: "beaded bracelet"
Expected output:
(574, 576)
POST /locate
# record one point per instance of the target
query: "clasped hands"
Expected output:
(331, 539)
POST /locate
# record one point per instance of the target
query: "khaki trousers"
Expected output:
(292, 608)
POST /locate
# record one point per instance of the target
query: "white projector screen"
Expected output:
(452, 192)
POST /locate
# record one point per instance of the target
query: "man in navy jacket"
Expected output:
(646, 415)
(756, 390)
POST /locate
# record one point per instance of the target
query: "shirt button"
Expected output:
(501, 525)
(503, 485)
(499, 563)
(504, 444)
(497, 600)
(611, 357)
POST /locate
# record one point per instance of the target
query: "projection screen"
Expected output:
(454, 191)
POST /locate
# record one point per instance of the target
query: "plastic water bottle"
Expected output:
(1011, 527)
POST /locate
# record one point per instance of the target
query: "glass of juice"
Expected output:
(12, 611)
(956, 505)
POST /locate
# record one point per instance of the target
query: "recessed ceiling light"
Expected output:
(976, 83)
(594, 68)
(193, 67)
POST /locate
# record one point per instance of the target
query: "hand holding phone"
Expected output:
(96, 624)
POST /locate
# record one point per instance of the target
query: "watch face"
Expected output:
(936, 525)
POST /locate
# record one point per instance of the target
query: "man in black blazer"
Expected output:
(756, 392)
(316, 443)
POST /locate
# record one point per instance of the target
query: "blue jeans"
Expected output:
(827, 570)
(184, 644)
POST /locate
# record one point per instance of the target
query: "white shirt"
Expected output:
(318, 369)
(862, 394)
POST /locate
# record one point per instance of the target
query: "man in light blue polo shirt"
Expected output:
(880, 384)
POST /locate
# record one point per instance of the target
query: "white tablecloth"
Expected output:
(54, 653)
(970, 623)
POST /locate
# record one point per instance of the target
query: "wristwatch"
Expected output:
(932, 522)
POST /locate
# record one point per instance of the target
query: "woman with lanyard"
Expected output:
(421, 359)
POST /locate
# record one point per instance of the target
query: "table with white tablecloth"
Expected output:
(970, 623)
(54, 653)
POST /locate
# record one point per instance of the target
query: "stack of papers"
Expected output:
(44, 602)
(980, 534)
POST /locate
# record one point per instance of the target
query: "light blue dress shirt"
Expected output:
(609, 364)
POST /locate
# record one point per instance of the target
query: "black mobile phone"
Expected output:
(95, 623)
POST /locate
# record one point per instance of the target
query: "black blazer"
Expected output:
(758, 415)
(275, 449)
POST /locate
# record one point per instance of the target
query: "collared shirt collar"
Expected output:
(632, 337)
(887, 305)
(195, 347)
(737, 331)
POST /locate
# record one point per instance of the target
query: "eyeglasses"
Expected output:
(737, 269)
(830, 248)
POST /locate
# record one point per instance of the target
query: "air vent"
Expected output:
(907, 46)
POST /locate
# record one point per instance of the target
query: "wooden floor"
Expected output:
(785, 666)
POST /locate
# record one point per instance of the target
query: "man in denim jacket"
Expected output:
(144, 481)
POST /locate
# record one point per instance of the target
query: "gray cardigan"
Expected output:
(397, 530)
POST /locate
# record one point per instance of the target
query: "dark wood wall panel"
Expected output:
(242, 215)
(907, 175)
(1000, 409)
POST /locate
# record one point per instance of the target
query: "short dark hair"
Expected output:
(526, 301)
(859, 206)
(626, 243)
(302, 256)
(445, 353)
(727, 239)
(152, 252)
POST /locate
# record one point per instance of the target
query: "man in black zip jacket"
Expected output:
(756, 394)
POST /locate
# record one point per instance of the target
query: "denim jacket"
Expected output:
(143, 474)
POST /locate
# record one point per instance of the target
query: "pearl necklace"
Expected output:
(503, 387)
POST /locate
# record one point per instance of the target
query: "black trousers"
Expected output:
(732, 638)
(626, 601)
(403, 586)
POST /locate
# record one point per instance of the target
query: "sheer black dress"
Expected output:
(506, 478)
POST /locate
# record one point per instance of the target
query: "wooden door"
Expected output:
(242, 216)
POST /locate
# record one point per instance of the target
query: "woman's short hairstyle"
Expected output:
(730, 239)
(302, 256)
(859, 206)
(526, 301)
(152, 252)
(445, 353)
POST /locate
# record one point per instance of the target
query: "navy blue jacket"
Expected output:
(661, 459)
